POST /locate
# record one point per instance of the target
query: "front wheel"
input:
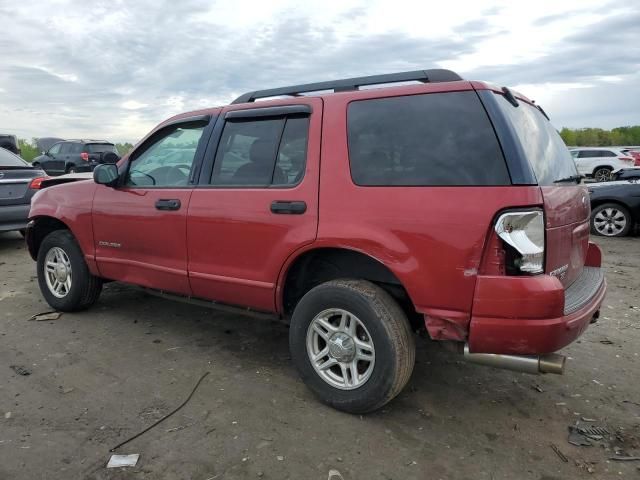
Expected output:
(63, 275)
(352, 344)
(611, 220)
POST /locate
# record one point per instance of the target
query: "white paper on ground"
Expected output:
(123, 460)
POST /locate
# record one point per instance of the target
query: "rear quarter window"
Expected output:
(422, 140)
(542, 145)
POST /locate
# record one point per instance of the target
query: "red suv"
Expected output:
(360, 215)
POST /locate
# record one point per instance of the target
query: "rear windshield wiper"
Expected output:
(572, 178)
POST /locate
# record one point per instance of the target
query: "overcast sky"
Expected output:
(114, 69)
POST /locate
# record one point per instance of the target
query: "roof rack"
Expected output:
(348, 84)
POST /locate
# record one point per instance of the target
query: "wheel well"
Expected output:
(608, 167)
(324, 264)
(42, 227)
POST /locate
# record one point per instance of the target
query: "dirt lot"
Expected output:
(100, 376)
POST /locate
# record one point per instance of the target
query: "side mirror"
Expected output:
(43, 152)
(106, 174)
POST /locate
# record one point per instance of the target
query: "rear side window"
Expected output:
(8, 159)
(75, 148)
(262, 152)
(543, 147)
(99, 148)
(432, 139)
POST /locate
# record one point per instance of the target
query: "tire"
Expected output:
(602, 174)
(611, 220)
(378, 321)
(60, 247)
(72, 170)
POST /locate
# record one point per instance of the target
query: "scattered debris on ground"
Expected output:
(165, 417)
(20, 370)
(561, 455)
(123, 460)
(43, 317)
(584, 433)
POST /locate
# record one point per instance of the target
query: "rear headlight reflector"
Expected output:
(84, 156)
(524, 232)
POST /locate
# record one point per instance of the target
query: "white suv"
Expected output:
(600, 162)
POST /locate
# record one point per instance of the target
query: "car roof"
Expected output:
(86, 141)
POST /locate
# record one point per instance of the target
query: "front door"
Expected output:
(140, 227)
(257, 203)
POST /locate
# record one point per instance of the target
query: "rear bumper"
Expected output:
(14, 217)
(535, 315)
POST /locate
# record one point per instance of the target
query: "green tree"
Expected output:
(28, 149)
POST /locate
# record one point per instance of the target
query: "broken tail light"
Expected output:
(522, 233)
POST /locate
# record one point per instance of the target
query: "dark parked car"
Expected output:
(615, 207)
(626, 174)
(9, 142)
(70, 156)
(18, 182)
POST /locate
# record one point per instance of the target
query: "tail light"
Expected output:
(36, 183)
(627, 159)
(522, 233)
(84, 156)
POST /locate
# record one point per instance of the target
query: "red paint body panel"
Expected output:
(71, 204)
(237, 246)
(521, 336)
(136, 243)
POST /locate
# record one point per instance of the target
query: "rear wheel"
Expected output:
(602, 174)
(611, 220)
(63, 275)
(352, 344)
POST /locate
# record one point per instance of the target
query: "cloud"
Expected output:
(114, 69)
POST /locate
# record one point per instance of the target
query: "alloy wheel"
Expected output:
(610, 222)
(57, 269)
(340, 349)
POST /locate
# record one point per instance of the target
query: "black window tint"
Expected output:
(292, 154)
(99, 147)
(75, 148)
(607, 153)
(543, 147)
(55, 149)
(65, 149)
(433, 139)
(247, 152)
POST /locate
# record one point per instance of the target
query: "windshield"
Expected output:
(543, 146)
(100, 148)
(8, 159)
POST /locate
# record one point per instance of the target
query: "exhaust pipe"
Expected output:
(550, 363)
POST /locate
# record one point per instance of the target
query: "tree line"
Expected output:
(29, 149)
(597, 137)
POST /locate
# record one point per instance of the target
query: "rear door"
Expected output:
(256, 202)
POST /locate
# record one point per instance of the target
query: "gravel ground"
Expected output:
(99, 376)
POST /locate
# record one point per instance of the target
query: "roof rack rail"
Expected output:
(348, 84)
